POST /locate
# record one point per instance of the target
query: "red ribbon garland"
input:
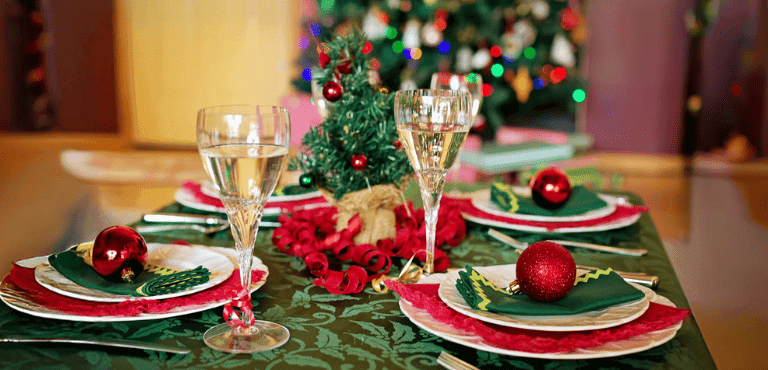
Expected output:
(311, 235)
(242, 300)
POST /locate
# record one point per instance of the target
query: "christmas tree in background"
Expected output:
(525, 50)
(356, 146)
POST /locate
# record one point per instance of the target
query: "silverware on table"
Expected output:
(641, 278)
(186, 220)
(111, 342)
(453, 363)
(183, 218)
(603, 248)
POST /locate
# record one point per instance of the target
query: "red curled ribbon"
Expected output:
(312, 235)
(242, 300)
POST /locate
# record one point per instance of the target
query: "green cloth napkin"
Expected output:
(154, 280)
(581, 200)
(596, 290)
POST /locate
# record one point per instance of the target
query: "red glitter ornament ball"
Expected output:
(332, 91)
(359, 162)
(546, 271)
(550, 188)
(119, 254)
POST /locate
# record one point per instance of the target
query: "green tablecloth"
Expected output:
(362, 331)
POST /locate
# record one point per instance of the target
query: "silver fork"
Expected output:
(453, 363)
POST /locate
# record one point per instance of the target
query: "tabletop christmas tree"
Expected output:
(354, 155)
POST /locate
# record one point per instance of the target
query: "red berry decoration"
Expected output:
(324, 59)
(397, 144)
(332, 91)
(550, 188)
(119, 254)
(545, 272)
(359, 162)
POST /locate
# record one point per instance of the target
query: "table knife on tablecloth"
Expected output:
(111, 342)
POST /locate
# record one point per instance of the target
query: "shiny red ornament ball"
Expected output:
(332, 91)
(359, 162)
(324, 59)
(397, 144)
(550, 188)
(119, 254)
(546, 271)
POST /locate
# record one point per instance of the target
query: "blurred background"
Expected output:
(667, 99)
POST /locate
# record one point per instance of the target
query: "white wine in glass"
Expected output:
(243, 148)
(432, 125)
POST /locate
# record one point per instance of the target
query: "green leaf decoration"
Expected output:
(402, 333)
(327, 338)
(360, 308)
(301, 360)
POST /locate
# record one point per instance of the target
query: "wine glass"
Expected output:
(470, 82)
(432, 125)
(243, 148)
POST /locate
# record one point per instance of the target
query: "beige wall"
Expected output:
(175, 57)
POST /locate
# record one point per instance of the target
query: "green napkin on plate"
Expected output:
(593, 291)
(581, 200)
(154, 280)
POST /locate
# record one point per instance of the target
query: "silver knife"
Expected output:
(603, 248)
(183, 218)
(112, 342)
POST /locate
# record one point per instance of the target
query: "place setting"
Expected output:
(147, 281)
(549, 204)
(541, 307)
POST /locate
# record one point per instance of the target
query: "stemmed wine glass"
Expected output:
(432, 125)
(243, 148)
(469, 82)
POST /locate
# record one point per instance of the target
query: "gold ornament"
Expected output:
(522, 84)
(579, 33)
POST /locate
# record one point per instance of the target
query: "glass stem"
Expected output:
(245, 226)
(431, 184)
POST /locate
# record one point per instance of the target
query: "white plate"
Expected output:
(482, 201)
(45, 312)
(210, 190)
(171, 256)
(187, 199)
(501, 275)
(634, 344)
(615, 224)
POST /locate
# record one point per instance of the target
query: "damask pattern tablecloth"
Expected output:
(361, 331)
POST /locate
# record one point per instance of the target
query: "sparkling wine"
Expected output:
(245, 173)
(432, 147)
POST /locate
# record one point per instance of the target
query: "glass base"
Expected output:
(263, 336)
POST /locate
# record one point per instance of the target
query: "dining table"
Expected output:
(366, 330)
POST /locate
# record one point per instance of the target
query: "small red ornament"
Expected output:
(332, 91)
(545, 271)
(359, 162)
(119, 254)
(324, 59)
(397, 144)
(344, 67)
(550, 188)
